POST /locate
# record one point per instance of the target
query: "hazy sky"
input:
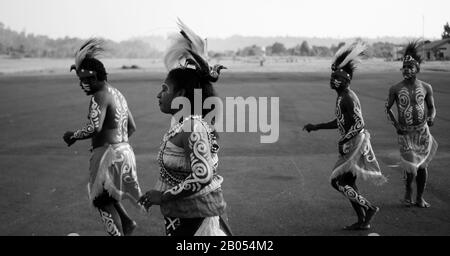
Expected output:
(122, 19)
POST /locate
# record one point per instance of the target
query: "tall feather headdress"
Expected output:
(190, 48)
(346, 59)
(92, 48)
(411, 55)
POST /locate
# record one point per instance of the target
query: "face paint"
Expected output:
(409, 72)
(337, 82)
(85, 87)
(88, 84)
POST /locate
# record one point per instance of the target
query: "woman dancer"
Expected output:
(189, 189)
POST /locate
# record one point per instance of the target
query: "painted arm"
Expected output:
(330, 125)
(96, 117)
(314, 127)
(389, 114)
(429, 100)
(131, 124)
(196, 145)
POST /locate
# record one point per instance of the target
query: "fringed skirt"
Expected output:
(417, 148)
(113, 169)
(359, 159)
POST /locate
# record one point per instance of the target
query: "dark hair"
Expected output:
(190, 79)
(93, 64)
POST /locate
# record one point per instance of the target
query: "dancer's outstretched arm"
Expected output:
(314, 127)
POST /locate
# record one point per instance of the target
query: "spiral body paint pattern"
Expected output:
(121, 114)
(354, 196)
(358, 121)
(94, 121)
(404, 106)
(201, 168)
(340, 117)
(110, 226)
(420, 103)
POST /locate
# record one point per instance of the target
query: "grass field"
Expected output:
(271, 189)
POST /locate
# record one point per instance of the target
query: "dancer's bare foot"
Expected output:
(407, 202)
(354, 226)
(421, 203)
(408, 199)
(129, 228)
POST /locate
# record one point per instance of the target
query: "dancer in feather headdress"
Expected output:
(356, 157)
(416, 113)
(110, 123)
(189, 189)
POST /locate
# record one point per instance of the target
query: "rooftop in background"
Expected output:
(436, 44)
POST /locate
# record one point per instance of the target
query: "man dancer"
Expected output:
(112, 165)
(416, 112)
(356, 155)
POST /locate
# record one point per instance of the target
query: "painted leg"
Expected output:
(335, 183)
(408, 200)
(421, 180)
(128, 224)
(111, 220)
(365, 205)
(360, 211)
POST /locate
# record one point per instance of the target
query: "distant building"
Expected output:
(436, 50)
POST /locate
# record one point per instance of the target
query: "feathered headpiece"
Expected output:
(190, 48)
(346, 59)
(411, 56)
(89, 50)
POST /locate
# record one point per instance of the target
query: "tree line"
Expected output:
(15, 44)
(384, 50)
(20, 44)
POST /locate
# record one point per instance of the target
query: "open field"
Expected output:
(271, 189)
(30, 66)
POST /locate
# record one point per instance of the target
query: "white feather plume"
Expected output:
(341, 51)
(184, 42)
(90, 49)
(355, 55)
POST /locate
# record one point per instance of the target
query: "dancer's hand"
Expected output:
(150, 198)
(309, 127)
(68, 138)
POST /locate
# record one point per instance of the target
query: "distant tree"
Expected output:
(253, 50)
(304, 49)
(446, 33)
(294, 51)
(382, 50)
(18, 44)
(21, 49)
(278, 49)
(321, 51)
